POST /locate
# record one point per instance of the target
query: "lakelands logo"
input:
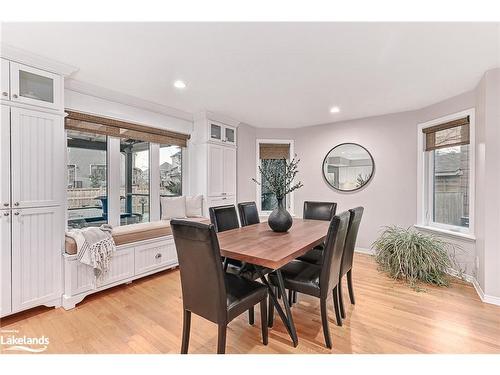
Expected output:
(10, 340)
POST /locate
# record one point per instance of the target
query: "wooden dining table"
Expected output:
(258, 245)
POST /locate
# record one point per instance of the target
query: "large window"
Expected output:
(447, 163)
(272, 158)
(134, 181)
(87, 181)
(117, 170)
(170, 170)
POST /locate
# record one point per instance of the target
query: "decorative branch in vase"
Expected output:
(279, 181)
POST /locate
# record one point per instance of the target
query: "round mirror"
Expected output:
(348, 167)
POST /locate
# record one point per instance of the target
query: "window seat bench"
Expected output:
(127, 234)
(142, 249)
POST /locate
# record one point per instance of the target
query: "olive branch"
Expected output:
(277, 182)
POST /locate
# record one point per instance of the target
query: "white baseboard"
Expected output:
(485, 297)
(363, 250)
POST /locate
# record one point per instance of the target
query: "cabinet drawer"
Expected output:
(154, 255)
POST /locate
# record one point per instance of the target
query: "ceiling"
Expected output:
(273, 74)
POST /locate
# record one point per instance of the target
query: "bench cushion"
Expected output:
(135, 232)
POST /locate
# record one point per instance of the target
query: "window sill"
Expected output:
(449, 233)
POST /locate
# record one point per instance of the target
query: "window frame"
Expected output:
(425, 179)
(290, 197)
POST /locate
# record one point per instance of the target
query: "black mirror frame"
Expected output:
(353, 190)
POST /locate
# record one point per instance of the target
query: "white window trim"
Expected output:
(424, 181)
(291, 196)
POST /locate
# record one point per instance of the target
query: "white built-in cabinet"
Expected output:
(213, 161)
(31, 187)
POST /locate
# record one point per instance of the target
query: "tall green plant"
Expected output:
(414, 256)
(280, 182)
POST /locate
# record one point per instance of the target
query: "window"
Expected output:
(272, 156)
(170, 170)
(117, 171)
(87, 183)
(134, 181)
(447, 170)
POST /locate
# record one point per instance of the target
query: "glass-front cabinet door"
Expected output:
(230, 135)
(215, 132)
(34, 86)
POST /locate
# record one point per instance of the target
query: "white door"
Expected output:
(229, 171)
(37, 158)
(216, 132)
(215, 170)
(5, 158)
(35, 87)
(5, 256)
(4, 80)
(37, 241)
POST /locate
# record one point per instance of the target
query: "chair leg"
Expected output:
(335, 295)
(341, 299)
(225, 264)
(294, 296)
(324, 321)
(270, 311)
(251, 316)
(350, 287)
(186, 327)
(221, 339)
(290, 297)
(263, 321)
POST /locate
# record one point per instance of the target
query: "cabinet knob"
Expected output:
(16, 213)
(5, 214)
(6, 205)
(158, 256)
(16, 204)
(5, 93)
(14, 96)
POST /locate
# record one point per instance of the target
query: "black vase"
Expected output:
(280, 219)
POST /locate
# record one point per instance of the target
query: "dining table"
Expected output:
(258, 245)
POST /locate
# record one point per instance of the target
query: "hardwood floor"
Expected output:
(389, 317)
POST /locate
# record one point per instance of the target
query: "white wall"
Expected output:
(488, 184)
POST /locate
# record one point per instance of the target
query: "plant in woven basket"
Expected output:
(414, 256)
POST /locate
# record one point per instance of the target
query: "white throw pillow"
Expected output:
(193, 206)
(173, 208)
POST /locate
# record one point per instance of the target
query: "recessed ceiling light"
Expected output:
(179, 84)
(334, 110)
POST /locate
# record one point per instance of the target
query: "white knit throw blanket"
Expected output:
(95, 247)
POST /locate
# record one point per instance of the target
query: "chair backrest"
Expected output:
(202, 280)
(319, 210)
(332, 255)
(249, 214)
(224, 217)
(350, 242)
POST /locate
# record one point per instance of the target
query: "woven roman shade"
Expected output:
(274, 151)
(121, 129)
(452, 133)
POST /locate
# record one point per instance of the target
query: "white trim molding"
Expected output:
(485, 297)
(423, 178)
(29, 58)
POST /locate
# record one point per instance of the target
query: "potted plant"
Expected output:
(413, 256)
(280, 182)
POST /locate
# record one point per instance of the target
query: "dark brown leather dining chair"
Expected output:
(225, 218)
(317, 211)
(207, 290)
(319, 280)
(350, 244)
(249, 214)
